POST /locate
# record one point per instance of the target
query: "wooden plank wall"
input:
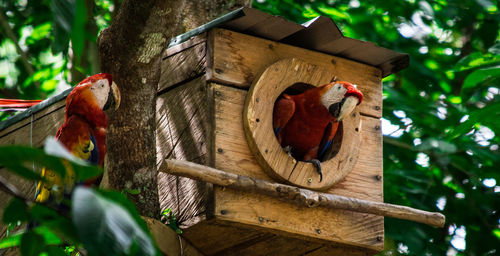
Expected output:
(234, 155)
(33, 130)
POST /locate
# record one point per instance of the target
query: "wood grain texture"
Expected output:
(213, 239)
(168, 241)
(182, 66)
(238, 59)
(183, 132)
(258, 124)
(232, 154)
(283, 218)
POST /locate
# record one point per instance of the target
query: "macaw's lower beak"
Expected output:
(348, 105)
(113, 97)
(116, 95)
(335, 108)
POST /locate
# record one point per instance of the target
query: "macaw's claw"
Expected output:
(317, 164)
(288, 150)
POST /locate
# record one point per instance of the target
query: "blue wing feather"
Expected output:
(94, 154)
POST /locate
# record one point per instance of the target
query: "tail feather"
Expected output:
(16, 103)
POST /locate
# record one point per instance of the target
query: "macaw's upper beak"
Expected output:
(353, 91)
(114, 97)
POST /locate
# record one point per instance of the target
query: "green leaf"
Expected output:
(41, 31)
(55, 221)
(63, 12)
(31, 244)
(49, 237)
(475, 117)
(15, 211)
(440, 146)
(478, 60)
(122, 200)
(55, 251)
(481, 75)
(10, 241)
(105, 227)
(496, 232)
(334, 13)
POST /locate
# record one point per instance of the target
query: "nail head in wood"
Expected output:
(220, 150)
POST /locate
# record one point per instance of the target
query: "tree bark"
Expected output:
(130, 49)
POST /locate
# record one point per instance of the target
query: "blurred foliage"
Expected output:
(48, 45)
(440, 120)
(97, 222)
(441, 115)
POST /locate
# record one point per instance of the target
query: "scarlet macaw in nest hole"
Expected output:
(305, 124)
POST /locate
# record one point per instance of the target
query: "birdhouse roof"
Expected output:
(320, 34)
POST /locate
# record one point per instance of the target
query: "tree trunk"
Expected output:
(130, 49)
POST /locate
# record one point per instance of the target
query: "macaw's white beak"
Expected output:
(348, 105)
(116, 95)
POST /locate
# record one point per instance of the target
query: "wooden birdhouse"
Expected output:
(215, 104)
(218, 88)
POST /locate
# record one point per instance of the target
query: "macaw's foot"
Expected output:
(288, 150)
(317, 164)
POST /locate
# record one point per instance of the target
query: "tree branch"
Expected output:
(304, 197)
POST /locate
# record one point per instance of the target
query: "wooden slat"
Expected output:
(238, 59)
(317, 224)
(233, 154)
(185, 45)
(212, 238)
(183, 65)
(44, 124)
(183, 132)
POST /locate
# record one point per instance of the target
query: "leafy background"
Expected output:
(441, 115)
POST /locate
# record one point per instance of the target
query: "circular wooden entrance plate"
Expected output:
(258, 123)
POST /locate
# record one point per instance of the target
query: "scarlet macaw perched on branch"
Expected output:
(305, 124)
(83, 132)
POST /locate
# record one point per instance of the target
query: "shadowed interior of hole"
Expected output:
(331, 152)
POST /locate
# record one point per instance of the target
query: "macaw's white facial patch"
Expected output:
(349, 104)
(334, 95)
(100, 89)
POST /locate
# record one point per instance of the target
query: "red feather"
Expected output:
(16, 103)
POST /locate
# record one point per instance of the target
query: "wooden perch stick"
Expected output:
(301, 196)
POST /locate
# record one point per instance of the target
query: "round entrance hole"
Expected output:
(294, 76)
